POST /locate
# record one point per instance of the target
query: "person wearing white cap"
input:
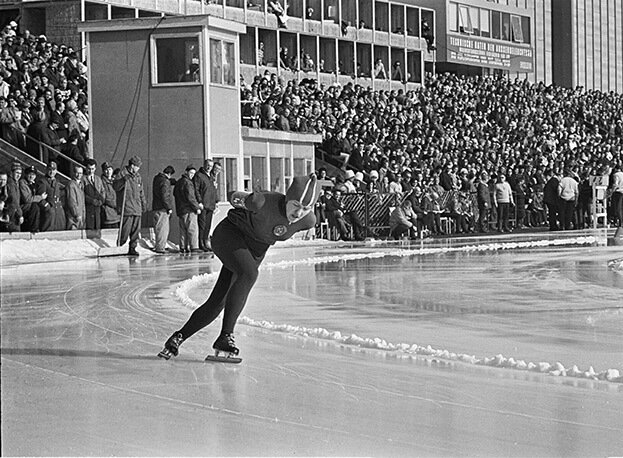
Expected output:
(373, 184)
(360, 185)
(349, 179)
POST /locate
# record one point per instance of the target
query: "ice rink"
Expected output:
(465, 347)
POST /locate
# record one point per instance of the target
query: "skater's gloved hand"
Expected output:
(248, 201)
(238, 199)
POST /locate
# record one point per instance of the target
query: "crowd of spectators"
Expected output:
(454, 146)
(452, 134)
(43, 97)
(32, 203)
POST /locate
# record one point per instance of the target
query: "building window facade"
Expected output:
(222, 62)
(488, 23)
(177, 59)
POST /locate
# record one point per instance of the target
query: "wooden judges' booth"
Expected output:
(167, 89)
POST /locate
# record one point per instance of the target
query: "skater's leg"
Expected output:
(245, 268)
(211, 308)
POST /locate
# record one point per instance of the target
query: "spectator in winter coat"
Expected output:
(71, 150)
(446, 179)
(162, 206)
(205, 184)
(552, 200)
(57, 117)
(110, 216)
(7, 119)
(7, 213)
(585, 199)
(483, 198)
(187, 208)
(29, 201)
(75, 208)
(39, 132)
(340, 218)
(131, 201)
(282, 123)
(94, 196)
(82, 118)
(424, 219)
(403, 220)
(12, 202)
(52, 211)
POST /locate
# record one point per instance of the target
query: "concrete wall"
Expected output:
(542, 41)
(57, 20)
(593, 30)
(563, 53)
(224, 120)
(61, 23)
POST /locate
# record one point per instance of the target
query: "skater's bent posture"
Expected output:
(240, 241)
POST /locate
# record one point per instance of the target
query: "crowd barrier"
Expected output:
(374, 209)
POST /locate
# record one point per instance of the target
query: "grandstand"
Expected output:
(321, 52)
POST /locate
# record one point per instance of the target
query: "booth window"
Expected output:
(222, 62)
(177, 60)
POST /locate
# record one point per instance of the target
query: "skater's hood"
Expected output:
(304, 189)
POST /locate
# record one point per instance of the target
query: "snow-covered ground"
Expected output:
(481, 347)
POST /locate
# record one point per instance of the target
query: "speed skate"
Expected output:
(225, 350)
(223, 357)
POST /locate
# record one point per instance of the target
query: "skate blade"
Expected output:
(223, 359)
(165, 354)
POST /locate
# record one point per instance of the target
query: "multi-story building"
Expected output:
(567, 42)
(587, 48)
(510, 37)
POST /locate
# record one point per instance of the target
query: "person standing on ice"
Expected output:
(131, 198)
(240, 241)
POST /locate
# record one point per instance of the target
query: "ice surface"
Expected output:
(489, 348)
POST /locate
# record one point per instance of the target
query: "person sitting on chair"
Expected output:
(403, 220)
(341, 218)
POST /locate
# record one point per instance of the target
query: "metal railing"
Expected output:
(42, 152)
(373, 209)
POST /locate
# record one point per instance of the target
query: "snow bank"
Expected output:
(412, 350)
(21, 251)
(42, 250)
